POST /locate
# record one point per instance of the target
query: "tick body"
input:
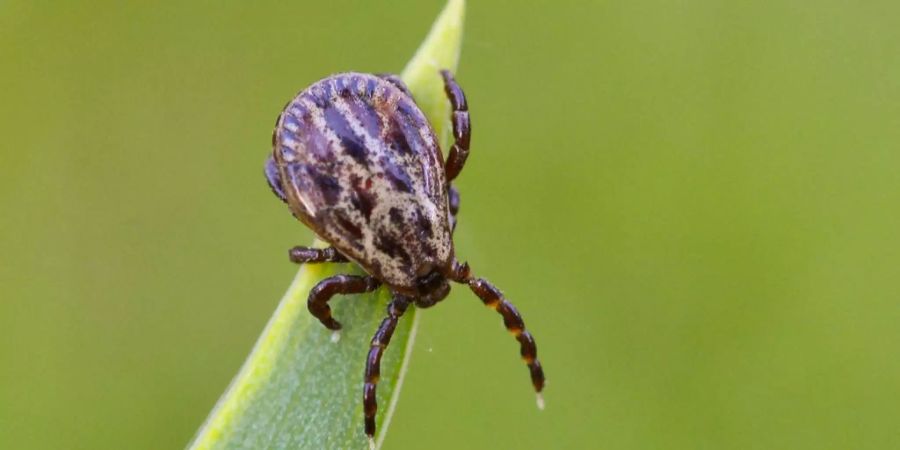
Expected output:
(357, 161)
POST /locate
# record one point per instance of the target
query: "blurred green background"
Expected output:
(693, 204)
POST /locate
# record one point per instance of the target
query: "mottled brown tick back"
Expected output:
(359, 163)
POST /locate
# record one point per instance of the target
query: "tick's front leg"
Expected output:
(317, 303)
(373, 362)
(494, 299)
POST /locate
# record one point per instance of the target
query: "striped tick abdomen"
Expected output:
(357, 161)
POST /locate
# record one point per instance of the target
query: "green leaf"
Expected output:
(298, 389)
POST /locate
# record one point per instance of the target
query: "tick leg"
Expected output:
(453, 199)
(493, 298)
(274, 179)
(373, 362)
(302, 255)
(396, 81)
(462, 128)
(338, 284)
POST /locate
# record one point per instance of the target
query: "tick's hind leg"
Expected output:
(302, 255)
(462, 128)
(396, 81)
(317, 303)
(453, 200)
(373, 362)
(493, 298)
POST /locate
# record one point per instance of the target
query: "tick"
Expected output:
(356, 160)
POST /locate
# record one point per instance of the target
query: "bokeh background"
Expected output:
(693, 204)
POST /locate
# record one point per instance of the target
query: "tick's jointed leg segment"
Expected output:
(338, 284)
(453, 200)
(373, 362)
(493, 298)
(272, 175)
(462, 128)
(302, 255)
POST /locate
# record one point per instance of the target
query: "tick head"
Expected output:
(432, 288)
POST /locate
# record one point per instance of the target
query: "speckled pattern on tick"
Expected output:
(357, 161)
